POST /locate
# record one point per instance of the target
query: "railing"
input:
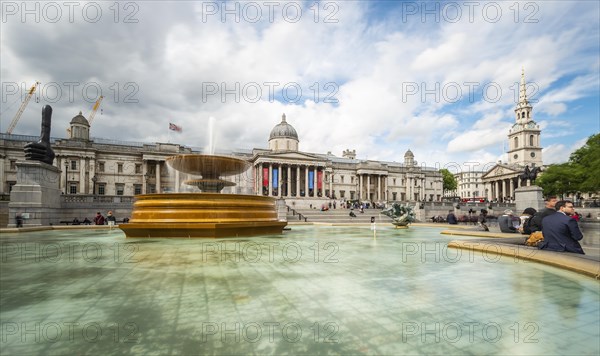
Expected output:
(76, 199)
(294, 212)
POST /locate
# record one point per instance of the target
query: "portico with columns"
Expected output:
(303, 178)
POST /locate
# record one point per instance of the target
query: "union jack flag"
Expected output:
(175, 127)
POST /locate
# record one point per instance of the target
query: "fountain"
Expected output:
(206, 214)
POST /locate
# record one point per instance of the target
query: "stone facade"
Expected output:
(106, 167)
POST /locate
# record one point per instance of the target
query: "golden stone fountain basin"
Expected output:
(202, 215)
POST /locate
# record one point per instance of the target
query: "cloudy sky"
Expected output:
(439, 78)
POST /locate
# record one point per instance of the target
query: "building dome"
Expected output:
(80, 119)
(409, 154)
(283, 130)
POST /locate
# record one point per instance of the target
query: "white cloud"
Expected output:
(171, 52)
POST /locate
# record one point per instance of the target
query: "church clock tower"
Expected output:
(524, 135)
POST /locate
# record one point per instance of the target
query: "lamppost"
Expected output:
(66, 178)
(147, 178)
(94, 180)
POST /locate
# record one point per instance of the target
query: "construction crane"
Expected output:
(15, 119)
(94, 109)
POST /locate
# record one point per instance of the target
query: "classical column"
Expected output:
(260, 178)
(511, 191)
(270, 187)
(331, 185)
(368, 187)
(360, 186)
(289, 181)
(503, 188)
(306, 181)
(144, 172)
(496, 190)
(158, 190)
(297, 181)
(82, 180)
(315, 190)
(378, 187)
(279, 180)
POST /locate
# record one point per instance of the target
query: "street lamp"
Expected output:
(66, 178)
(94, 180)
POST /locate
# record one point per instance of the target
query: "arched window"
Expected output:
(530, 140)
(523, 114)
(516, 142)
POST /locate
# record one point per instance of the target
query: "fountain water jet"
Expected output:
(206, 214)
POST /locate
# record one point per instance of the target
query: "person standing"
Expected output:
(536, 220)
(561, 232)
(482, 220)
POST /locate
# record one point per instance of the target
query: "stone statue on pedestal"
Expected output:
(41, 150)
(529, 174)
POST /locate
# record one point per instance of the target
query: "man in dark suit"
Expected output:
(561, 232)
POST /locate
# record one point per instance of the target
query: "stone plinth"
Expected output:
(528, 197)
(36, 196)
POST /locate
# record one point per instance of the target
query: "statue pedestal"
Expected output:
(529, 197)
(36, 196)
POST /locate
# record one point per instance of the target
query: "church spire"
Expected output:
(523, 90)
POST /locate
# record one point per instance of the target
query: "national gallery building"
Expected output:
(104, 167)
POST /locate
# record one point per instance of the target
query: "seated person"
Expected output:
(505, 221)
(561, 232)
(451, 218)
(76, 221)
(525, 228)
(352, 215)
(86, 221)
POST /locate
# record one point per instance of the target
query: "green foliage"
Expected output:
(580, 174)
(449, 180)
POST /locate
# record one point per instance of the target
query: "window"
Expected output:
(137, 189)
(532, 154)
(530, 140)
(394, 183)
(352, 180)
(394, 195)
(138, 168)
(342, 193)
(100, 166)
(120, 188)
(73, 165)
(102, 189)
(13, 164)
(119, 167)
(342, 179)
(72, 188)
(516, 142)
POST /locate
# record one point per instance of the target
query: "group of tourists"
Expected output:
(554, 228)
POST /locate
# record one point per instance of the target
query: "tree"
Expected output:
(579, 174)
(449, 180)
(586, 161)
